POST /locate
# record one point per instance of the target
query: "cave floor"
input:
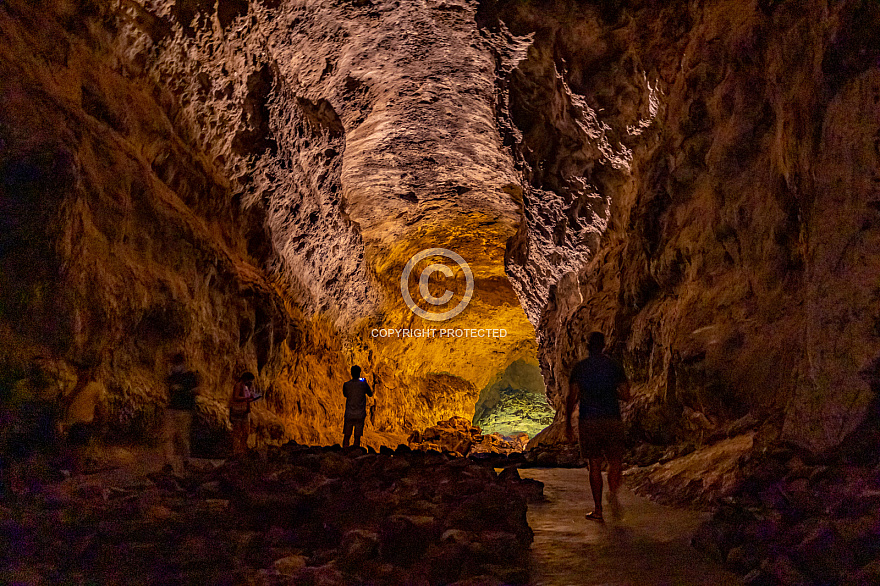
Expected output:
(648, 546)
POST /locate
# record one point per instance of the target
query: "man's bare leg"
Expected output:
(615, 475)
(615, 478)
(358, 429)
(596, 488)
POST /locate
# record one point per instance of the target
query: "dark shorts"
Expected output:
(354, 423)
(601, 437)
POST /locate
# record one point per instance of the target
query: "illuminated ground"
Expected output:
(648, 546)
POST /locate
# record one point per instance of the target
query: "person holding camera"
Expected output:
(355, 392)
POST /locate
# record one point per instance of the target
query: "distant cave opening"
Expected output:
(514, 402)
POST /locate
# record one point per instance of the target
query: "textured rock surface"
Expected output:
(459, 437)
(703, 476)
(244, 182)
(297, 515)
(516, 411)
(123, 242)
(794, 522)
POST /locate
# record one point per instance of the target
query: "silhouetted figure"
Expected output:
(355, 392)
(598, 382)
(243, 394)
(182, 385)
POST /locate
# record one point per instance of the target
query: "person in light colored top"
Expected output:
(243, 395)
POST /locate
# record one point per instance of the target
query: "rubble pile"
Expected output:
(793, 522)
(291, 515)
(458, 436)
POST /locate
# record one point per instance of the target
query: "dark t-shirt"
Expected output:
(597, 379)
(355, 392)
(181, 391)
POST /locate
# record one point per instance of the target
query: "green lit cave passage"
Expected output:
(515, 401)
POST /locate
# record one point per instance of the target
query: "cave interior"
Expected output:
(451, 195)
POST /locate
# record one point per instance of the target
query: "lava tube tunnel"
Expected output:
(429, 292)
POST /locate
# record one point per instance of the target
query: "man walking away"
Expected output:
(239, 412)
(598, 382)
(355, 392)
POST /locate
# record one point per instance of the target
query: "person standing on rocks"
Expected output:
(355, 392)
(176, 429)
(243, 395)
(598, 382)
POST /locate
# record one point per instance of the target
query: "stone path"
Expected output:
(647, 547)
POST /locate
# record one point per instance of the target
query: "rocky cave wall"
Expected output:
(737, 269)
(365, 146)
(125, 240)
(244, 182)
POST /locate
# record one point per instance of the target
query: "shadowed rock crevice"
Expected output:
(256, 115)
